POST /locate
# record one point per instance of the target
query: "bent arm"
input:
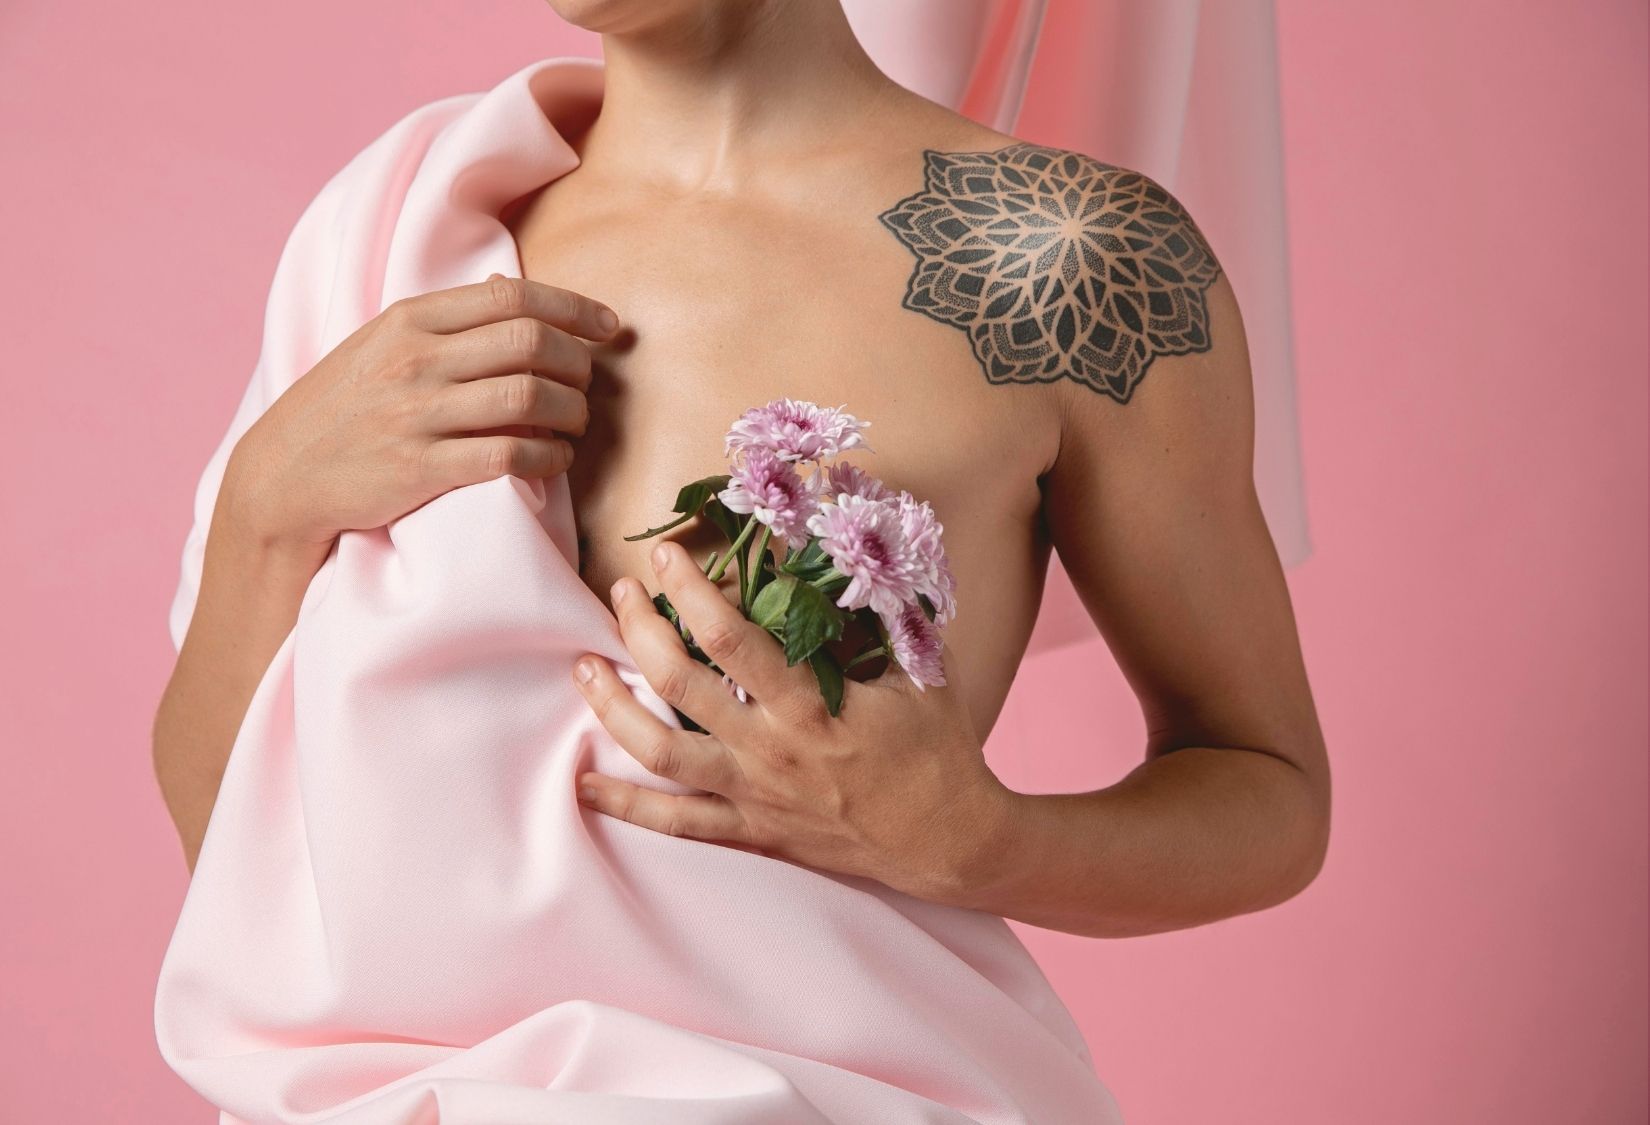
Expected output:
(1152, 507)
(250, 591)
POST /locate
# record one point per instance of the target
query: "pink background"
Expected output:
(1468, 187)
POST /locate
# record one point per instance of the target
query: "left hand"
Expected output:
(894, 788)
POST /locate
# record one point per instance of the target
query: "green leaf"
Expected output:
(726, 522)
(689, 500)
(771, 603)
(662, 604)
(927, 606)
(810, 562)
(810, 621)
(829, 675)
(692, 497)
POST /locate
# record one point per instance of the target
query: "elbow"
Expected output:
(1306, 827)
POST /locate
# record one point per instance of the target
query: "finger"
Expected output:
(456, 461)
(507, 298)
(739, 646)
(681, 681)
(699, 817)
(508, 346)
(504, 400)
(693, 759)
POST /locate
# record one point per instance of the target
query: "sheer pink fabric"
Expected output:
(400, 913)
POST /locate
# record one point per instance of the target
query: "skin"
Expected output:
(733, 207)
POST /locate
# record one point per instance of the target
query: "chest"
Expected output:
(729, 307)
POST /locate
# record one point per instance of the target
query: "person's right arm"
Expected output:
(438, 391)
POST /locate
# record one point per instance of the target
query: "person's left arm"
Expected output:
(1152, 506)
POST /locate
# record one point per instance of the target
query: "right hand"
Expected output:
(439, 390)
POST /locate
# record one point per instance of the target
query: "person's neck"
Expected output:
(712, 106)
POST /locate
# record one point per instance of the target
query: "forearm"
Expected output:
(251, 587)
(1185, 839)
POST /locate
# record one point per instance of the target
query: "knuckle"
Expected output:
(579, 423)
(564, 305)
(508, 296)
(801, 709)
(501, 456)
(722, 640)
(398, 315)
(662, 756)
(779, 754)
(421, 467)
(575, 358)
(519, 393)
(526, 336)
(672, 685)
(756, 832)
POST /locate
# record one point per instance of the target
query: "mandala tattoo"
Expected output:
(1057, 265)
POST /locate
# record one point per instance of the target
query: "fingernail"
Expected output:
(584, 671)
(587, 794)
(608, 320)
(660, 557)
(620, 589)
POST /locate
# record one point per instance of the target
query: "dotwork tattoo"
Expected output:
(1057, 265)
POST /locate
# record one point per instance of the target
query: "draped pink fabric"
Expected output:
(400, 914)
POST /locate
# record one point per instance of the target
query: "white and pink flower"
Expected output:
(917, 647)
(922, 536)
(865, 542)
(829, 482)
(773, 491)
(795, 430)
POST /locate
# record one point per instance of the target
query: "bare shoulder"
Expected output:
(1059, 267)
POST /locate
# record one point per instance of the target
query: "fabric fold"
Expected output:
(400, 914)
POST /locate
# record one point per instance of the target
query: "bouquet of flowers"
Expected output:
(854, 552)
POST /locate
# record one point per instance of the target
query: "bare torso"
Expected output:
(732, 300)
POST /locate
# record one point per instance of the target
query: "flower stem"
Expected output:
(749, 591)
(733, 549)
(873, 651)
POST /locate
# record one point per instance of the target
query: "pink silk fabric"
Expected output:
(400, 913)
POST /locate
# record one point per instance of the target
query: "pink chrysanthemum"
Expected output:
(831, 482)
(772, 489)
(922, 532)
(795, 430)
(866, 543)
(916, 644)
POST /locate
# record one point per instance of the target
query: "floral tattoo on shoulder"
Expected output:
(1056, 265)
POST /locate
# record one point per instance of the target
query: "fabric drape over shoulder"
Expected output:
(400, 913)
